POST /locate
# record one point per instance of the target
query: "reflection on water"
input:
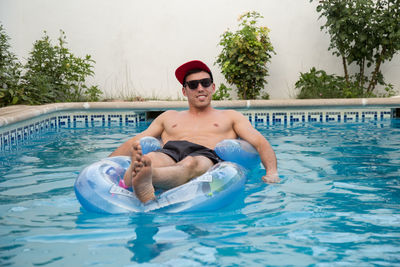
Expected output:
(143, 246)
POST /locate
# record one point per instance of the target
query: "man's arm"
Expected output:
(246, 131)
(155, 129)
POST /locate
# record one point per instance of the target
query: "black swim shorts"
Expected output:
(178, 150)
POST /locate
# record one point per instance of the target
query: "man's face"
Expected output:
(201, 95)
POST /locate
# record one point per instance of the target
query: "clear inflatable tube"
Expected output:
(97, 186)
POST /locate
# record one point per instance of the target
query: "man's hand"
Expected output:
(271, 178)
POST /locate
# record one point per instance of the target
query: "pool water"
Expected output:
(338, 204)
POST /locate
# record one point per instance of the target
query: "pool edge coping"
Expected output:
(13, 114)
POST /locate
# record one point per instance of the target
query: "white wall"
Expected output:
(137, 45)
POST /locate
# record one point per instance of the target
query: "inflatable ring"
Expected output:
(98, 186)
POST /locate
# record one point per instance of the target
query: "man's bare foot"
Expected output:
(135, 150)
(142, 181)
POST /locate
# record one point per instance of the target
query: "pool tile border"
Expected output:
(18, 133)
(291, 117)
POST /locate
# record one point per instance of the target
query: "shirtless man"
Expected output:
(189, 138)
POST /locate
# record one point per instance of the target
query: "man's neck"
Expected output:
(198, 111)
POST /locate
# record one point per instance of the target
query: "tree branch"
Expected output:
(374, 78)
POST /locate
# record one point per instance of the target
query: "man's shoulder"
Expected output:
(169, 113)
(233, 115)
(165, 116)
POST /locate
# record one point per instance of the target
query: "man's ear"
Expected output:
(184, 91)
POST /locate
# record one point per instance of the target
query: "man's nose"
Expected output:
(200, 87)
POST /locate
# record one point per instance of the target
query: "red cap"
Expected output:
(180, 72)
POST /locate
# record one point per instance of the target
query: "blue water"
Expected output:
(338, 204)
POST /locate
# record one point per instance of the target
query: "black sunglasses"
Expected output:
(195, 83)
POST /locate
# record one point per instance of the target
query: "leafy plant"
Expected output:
(244, 56)
(363, 32)
(10, 72)
(222, 93)
(54, 74)
(319, 84)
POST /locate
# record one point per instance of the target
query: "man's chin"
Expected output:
(203, 103)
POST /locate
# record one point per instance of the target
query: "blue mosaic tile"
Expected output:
(98, 120)
(37, 127)
(13, 137)
(53, 123)
(80, 121)
(351, 116)
(114, 120)
(332, 116)
(279, 117)
(6, 138)
(261, 117)
(64, 121)
(142, 117)
(20, 134)
(132, 119)
(369, 115)
(47, 124)
(25, 132)
(297, 117)
(31, 129)
(386, 115)
(315, 116)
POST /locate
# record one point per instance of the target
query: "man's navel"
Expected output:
(173, 126)
(216, 124)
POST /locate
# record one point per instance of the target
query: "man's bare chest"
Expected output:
(197, 126)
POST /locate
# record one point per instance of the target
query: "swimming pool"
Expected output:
(338, 202)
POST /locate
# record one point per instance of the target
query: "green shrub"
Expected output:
(222, 93)
(10, 72)
(54, 74)
(244, 56)
(319, 84)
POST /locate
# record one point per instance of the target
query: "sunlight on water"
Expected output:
(338, 204)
